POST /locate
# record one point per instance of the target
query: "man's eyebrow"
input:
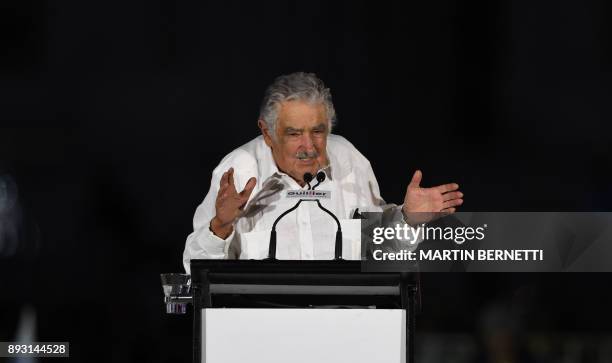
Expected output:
(320, 126)
(290, 129)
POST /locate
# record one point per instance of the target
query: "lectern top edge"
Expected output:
(329, 266)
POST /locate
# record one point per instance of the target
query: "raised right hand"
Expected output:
(229, 203)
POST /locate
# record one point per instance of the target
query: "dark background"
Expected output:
(114, 114)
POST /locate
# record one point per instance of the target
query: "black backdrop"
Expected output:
(114, 114)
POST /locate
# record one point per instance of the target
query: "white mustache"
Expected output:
(303, 155)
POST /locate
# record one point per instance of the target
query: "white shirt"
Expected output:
(306, 233)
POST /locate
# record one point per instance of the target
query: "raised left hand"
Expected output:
(422, 204)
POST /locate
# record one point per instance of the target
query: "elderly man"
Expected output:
(248, 188)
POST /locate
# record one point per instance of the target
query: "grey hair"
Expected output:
(295, 86)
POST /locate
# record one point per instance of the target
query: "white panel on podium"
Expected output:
(303, 335)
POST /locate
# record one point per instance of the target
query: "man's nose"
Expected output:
(308, 142)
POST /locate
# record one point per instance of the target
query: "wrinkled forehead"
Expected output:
(300, 114)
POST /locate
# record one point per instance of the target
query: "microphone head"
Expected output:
(320, 176)
(308, 178)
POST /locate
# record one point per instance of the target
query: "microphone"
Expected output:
(320, 178)
(307, 179)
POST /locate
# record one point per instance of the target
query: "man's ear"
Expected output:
(265, 131)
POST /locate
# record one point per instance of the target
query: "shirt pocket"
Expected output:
(254, 245)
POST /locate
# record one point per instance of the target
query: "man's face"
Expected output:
(300, 145)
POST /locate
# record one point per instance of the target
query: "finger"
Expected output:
(451, 196)
(224, 180)
(415, 182)
(230, 178)
(447, 187)
(447, 211)
(248, 189)
(452, 203)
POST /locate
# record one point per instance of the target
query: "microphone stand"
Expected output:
(338, 246)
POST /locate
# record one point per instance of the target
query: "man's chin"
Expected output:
(301, 170)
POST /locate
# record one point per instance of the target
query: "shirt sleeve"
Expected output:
(202, 243)
(391, 214)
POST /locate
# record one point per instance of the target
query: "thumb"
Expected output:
(248, 188)
(416, 179)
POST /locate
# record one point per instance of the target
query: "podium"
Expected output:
(299, 294)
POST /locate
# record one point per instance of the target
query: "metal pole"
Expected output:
(201, 300)
(407, 296)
